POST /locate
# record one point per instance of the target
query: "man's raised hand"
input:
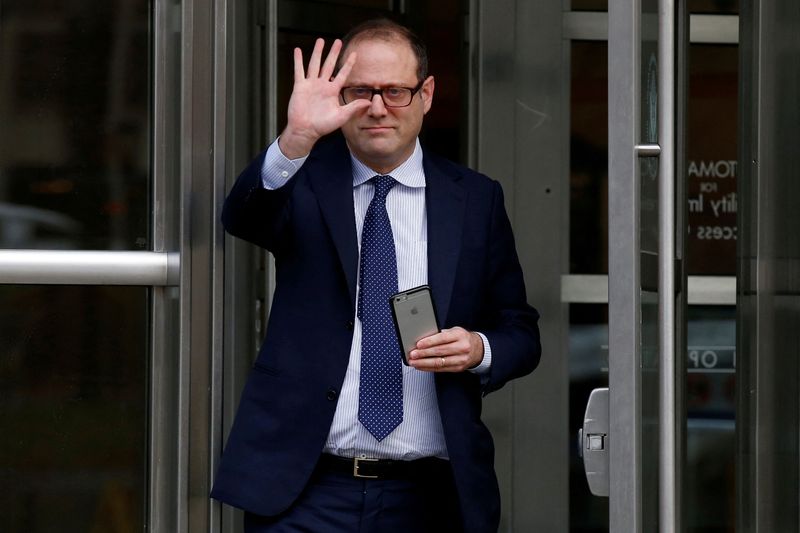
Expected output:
(314, 107)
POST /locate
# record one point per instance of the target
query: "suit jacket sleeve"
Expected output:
(513, 333)
(254, 213)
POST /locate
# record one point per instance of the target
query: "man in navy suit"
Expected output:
(303, 454)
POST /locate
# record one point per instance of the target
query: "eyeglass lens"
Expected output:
(392, 96)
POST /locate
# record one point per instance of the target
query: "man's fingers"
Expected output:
(330, 61)
(443, 337)
(299, 72)
(450, 350)
(341, 76)
(317, 69)
(354, 107)
(316, 59)
(441, 350)
(452, 363)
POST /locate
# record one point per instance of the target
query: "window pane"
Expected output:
(719, 7)
(74, 408)
(74, 142)
(588, 370)
(373, 4)
(589, 158)
(710, 419)
(712, 165)
(590, 5)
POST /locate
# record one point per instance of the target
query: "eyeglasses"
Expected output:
(391, 96)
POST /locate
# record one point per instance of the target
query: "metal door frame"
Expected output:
(626, 273)
(624, 278)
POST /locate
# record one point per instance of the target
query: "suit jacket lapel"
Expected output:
(445, 204)
(332, 180)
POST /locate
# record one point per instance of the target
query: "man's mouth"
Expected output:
(377, 129)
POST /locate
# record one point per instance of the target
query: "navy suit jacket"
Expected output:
(289, 400)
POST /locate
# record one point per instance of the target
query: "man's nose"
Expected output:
(377, 108)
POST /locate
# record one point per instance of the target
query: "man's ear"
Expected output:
(427, 93)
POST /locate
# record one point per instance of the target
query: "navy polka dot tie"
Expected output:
(380, 394)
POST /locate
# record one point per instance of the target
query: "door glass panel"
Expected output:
(710, 497)
(712, 159)
(73, 411)
(588, 370)
(373, 4)
(74, 105)
(588, 323)
(589, 158)
(712, 171)
(718, 7)
(590, 5)
(711, 250)
(648, 265)
(74, 174)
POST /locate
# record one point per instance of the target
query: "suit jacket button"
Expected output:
(349, 325)
(332, 394)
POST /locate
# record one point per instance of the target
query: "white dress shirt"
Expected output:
(420, 434)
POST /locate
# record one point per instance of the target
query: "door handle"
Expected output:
(593, 442)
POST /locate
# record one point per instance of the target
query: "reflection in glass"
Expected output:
(712, 159)
(74, 174)
(588, 370)
(73, 411)
(74, 145)
(649, 242)
(710, 497)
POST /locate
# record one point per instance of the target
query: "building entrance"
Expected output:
(645, 151)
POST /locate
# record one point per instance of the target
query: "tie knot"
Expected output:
(383, 184)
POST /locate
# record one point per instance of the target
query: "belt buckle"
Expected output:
(357, 464)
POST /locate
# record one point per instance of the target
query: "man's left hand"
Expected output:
(451, 350)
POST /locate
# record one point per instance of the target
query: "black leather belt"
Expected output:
(367, 468)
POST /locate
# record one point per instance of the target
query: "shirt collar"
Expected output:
(409, 173)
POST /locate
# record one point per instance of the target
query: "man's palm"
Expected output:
(314, 107)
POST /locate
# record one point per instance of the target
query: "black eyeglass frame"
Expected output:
(374, 91)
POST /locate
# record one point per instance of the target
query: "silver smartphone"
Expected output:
(414, 317)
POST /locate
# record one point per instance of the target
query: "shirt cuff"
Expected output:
(486, 365)
(277, 169)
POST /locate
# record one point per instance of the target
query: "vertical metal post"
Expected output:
(624, 280)
(200, 267)
(668, 512)
(222, 115)
(250, 71)
(165, 501)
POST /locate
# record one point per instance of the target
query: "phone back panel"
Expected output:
(414, 317)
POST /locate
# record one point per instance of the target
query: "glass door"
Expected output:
(645, 281)
(89, 265)
(76, 264)
(704, 398)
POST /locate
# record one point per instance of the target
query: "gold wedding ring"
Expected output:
(441, 362)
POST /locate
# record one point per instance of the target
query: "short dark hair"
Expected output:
(387, 30)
